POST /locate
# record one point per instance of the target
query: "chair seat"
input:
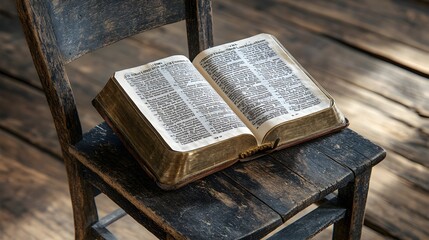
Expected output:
(246, 200)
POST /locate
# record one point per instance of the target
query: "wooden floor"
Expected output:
(372, 56)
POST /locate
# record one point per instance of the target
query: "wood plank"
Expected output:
(32, 188)
(296, 171)
(311, 161)
(389, 48)
(199, 29)
(351, 150)
(196, 204)
(387, 18)
(313, 165)
(104, 28)
(278, 186)
(8, 8)
(349, 96)
(416, 174)
(15, 54)
(19, 117)
(395, 207)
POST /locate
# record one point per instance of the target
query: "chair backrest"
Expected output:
(58, 32)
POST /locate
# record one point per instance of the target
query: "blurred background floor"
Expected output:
(372, 56)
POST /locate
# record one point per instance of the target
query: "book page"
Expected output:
(180, 104)
(262, 82)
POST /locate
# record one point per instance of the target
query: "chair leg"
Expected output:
(82, 196)
(353, 197)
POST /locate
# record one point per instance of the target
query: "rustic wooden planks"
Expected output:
(32, 187)
(390, 125)
(395, 207)
(196, 204)
(278, 186)
(271, 179)
(387, 18)
(15, 54)
(7, 8)
(317, 52)
(303, 172)
(29, 116)
(352, 29)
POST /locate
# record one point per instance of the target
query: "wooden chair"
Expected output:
(247, 200)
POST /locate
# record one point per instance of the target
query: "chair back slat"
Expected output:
(83, 26)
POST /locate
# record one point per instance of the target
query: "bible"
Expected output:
(183, 120)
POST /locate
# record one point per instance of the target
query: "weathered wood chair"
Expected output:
(247, 200)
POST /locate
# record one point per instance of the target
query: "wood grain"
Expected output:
(395, 208)
(20, 117)
(195, 204)
(408, 176)
(358, 69)
(335, 64)
(7, 8)
(32, 188)
(313, 17)
(298, 171)
(87, 31)
(17, 60)
(35, 199)
(386, 18)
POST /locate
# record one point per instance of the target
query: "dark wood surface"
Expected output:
(86, 29)
(369, 67)
(197, 204)
(253, 197)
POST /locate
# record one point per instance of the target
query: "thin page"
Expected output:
(261, 82)
(180, 104)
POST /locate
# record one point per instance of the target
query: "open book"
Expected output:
(183, 120)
